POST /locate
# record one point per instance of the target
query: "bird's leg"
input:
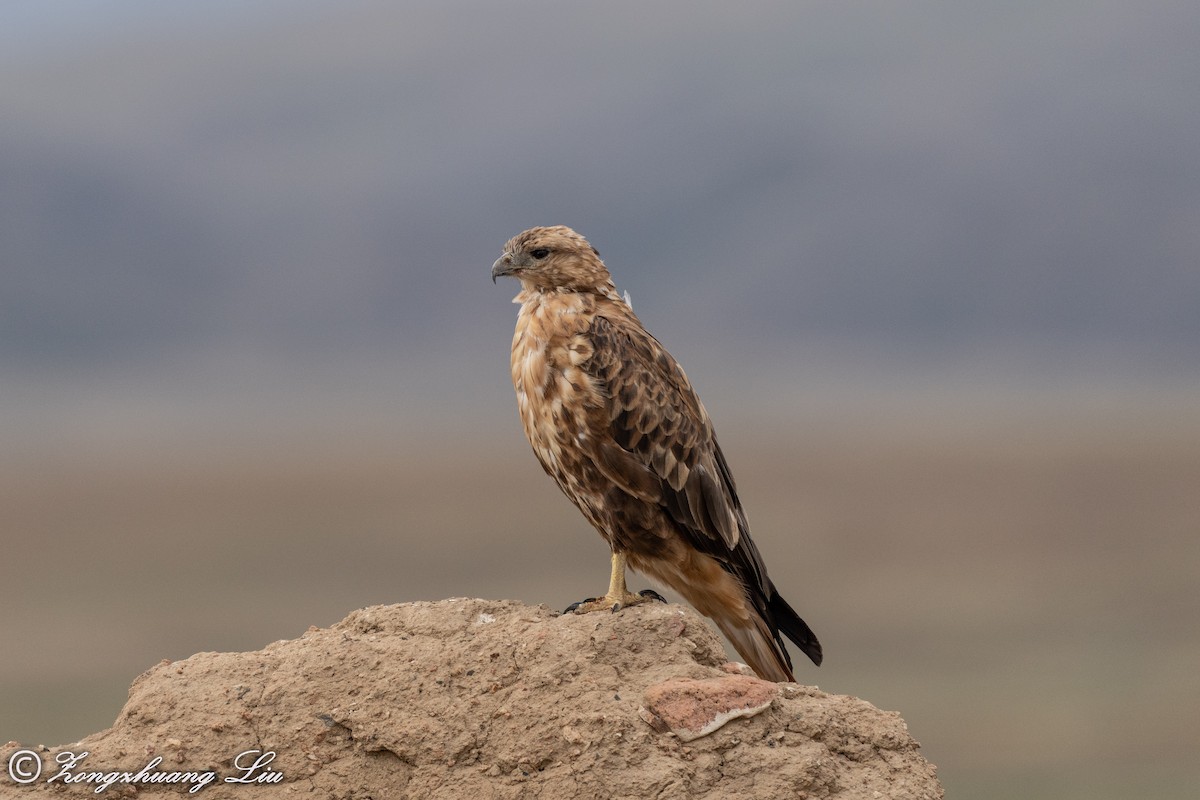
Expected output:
(618, 596)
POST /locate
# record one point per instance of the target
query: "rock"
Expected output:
(491, 699)
(691, 709)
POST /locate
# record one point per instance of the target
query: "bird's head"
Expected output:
(553, 258)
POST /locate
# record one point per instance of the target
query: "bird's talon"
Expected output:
(650, 594)
(571, 609)
(613, 603)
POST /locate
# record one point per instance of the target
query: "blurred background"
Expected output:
(934, 268)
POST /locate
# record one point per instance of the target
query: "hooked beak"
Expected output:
(503, 266)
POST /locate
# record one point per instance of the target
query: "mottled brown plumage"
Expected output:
(613, 419)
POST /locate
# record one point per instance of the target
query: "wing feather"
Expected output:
(656, 419)
(631, 475)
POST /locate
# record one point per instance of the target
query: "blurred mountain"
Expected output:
(315, 178)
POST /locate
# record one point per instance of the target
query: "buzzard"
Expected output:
(613, 419)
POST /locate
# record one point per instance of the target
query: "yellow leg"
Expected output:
(618, 596)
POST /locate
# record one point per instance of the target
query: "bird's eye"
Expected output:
(540, 253)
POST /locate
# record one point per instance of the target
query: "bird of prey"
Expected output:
(613, 419)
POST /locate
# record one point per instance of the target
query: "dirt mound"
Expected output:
(488, 699)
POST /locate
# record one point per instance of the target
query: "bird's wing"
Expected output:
(665, 447)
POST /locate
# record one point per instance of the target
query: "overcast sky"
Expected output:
(268, 183)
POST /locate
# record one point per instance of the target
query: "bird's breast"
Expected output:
(556, 397)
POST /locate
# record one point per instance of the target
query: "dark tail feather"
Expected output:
(796, 629)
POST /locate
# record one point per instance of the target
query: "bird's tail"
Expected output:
(762, 651)
(753, 623)
(761, 644)
(788, 621)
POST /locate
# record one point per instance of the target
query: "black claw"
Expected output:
(571, 608)
(616, 607)
(653, 595)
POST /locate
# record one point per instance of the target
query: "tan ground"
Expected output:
(1020, 587)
